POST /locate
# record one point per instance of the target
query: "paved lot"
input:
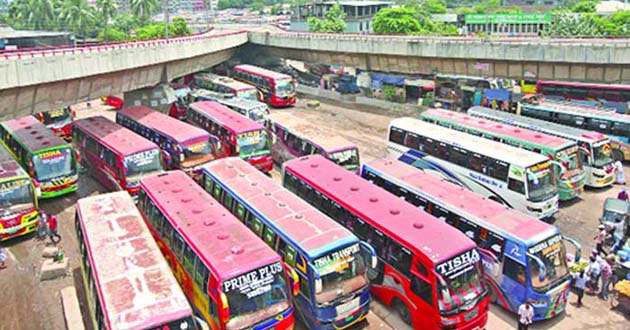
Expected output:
(29, 304)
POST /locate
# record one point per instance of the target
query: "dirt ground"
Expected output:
(27, 303)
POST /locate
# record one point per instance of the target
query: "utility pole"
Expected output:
(208, 8)
(166, 19)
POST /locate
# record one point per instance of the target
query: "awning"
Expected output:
(497, 94)
(424, 83)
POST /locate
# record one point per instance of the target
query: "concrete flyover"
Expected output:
(589, 60)
(39, 80)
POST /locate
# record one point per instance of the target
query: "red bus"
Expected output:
(428, 271)
(59, 121)
(127, 282)
(232, 278)
(278, 89)
(184, 146)
(609, 96)
(115, 155)
(237, 134)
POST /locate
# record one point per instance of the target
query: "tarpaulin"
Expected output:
(388, 79)
(497, 94)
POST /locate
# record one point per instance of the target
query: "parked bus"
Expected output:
(184, 146)
(293, 137)
(516, 268)
(238, 135)
(254, 110)
(610, 96)
(59, 121)
(226, 85)
(277, 89)
(127, 282)
(528, 86)
(596, 160)
(115, 155)
(229, 275)
(18, 200)
(330, 260)
(460, 92)
(569, 172)
(43, 155)
(430, 273)
(615, 126)
(515, 177)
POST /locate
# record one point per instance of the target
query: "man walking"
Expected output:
(52, 229)
(606, 271)
(580, 283)
(525, 315)
(600, 238)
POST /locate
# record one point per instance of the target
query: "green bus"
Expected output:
(50, 161)
(570, 177)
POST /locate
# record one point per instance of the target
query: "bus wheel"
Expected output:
(617, 155)
(402, 310)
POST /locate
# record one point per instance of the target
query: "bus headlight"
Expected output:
(538, 303)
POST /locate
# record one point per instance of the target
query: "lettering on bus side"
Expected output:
(485, 180)
(328, 263)
(455, 265)
(13, 184)
(253, 283)
(544, 244)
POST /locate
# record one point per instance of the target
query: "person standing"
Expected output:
(600, 238)
(594, 270)
(52, 230)
(620, 176)
(3, 259)
(623, 195)
(580, 283)
(42, 226)
(606, 276)
(525, 315)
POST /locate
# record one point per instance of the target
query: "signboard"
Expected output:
(142, 158)
(529, 18)
(458, 264)
(539, 167)
(254, 283)
(52, 157)
(336, 261)
(252, 137)
(10, 185)
(547, 246)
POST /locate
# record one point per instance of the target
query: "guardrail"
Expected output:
(112, 46)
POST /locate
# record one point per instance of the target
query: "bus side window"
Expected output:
(412, 141)
(514, 270)
(189, 259)
(422, 289)
(399, 258)
(377, 240)
(178, 246)
(516, 186)
(305, 290)
(397, 135)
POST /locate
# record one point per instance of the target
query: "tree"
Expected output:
(277, 10)
(333, 20)
(150, 31)
(78, 17)
(584, 7)
(106, 9)
(512, 10)
(33, 14)
(125, 22)
(575, 25)
(178, 27)
(144, 9)
(257, 6)
(396, 20)
(112, 34)
(434, 6)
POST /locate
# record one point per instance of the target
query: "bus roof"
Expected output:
(301, 223)
(226, 116)
(485, 126)
(536, 124)
(114, 136)
(572, 108)
(581, 84)
(227, 81)
(134, 282)
(35, 135)
(200, 219)
(318, 135)
(417, 230)
(9, 167)
(494, 216)
(470, 142)
(175, 129)
(242, 103)
(261, 71)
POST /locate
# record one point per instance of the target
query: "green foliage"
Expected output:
(112, 34)
(511, 10)
(178, 27)
(125, 22)
(78, 17)
(396, 20)
(150, 31)
(143, 9)
(584, 7)
(333, 20)
(276, 10)
(106, 9)
(225, 4)
(257, 6)
(576, 25)
(465, 11)
(434, 6)
(388, 91)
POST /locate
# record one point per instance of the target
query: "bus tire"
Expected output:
(402, 310)
(617, 155)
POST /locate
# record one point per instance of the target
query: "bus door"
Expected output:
(514, 276)
(423, 296)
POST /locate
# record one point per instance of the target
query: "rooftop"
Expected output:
(32, 132)
(169, 126)
(226, 116)
(115, 136)
(9, 167)
(328, 140)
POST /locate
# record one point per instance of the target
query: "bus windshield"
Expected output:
(15, 196)
(142, 163)
(253, 143)
(348, 159)
(197, 151)
(553, 255)
(248, 94)
(342, 272)
(570, 160)
(53, 164)
(258, 114)
(462, 281)
(284, 87)
(540, 183)
(60, 117)
(601, 155)
(256, 296)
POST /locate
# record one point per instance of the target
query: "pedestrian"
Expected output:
(525, 315)
(52, 229)
(580, 283)
(623, 195)
(3, 259)
(600, 238)
(606, 271)
(42, 225)
(620, 176)
(594, 271)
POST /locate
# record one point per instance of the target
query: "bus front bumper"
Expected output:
(58, 187)
(543, 210)
(27, 224)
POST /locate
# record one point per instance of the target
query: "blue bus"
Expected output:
(331, 261)
(523, 258)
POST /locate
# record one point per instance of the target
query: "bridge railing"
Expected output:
(109, 46)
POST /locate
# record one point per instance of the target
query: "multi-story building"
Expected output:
(359, 14)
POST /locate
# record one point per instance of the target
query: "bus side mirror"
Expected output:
(542, 270)
(318, 283)
(224, 312)
(369, 254)
(576, 245)
(38, 188)
(166, 157)
(201, 324)
(293, 276)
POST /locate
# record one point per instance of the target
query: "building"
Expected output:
(507, 24)
(359, 14)
(610, 7)
(12, 40)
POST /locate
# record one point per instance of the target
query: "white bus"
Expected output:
(596, 155)
(521, 179)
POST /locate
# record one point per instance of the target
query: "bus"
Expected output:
(294, 137)
(430, 273)
(237, 135)
(515, 266)
(610, 96)
(230, 276)
(528, 86)
(460, 92)
(59, 121)
(18, 199)
(598, 169)
(276, 89)
(518, 178)
(115, 155)
(127, 282)
(331, 261)
(615, 126)
(184, 146)
(254, 110)
(47, 158)
(225, 85)
(563, 153)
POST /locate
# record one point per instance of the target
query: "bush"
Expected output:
(113, 34)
